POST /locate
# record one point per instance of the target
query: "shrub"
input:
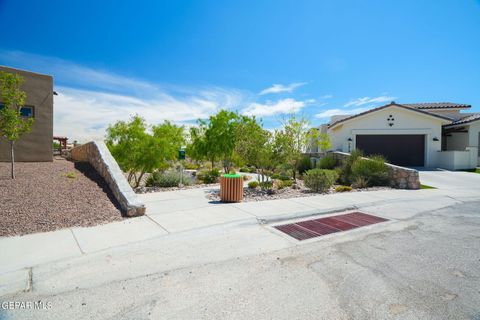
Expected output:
(244, 169)
(253, 184)
(345, 170)
(246, 178)
(319, 180)
(252, 170)
(327, 163)
(374, 171)
(266, 184)
(70, 175)
(304, 165)
(287, 183)
(209, 176)
(343, 189)
(190, 166)
(167, 179)
(360, 183)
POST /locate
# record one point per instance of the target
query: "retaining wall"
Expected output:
(400, 177)
(97, 154)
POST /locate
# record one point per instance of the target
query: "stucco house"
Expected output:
(413, 134)
(36, 145)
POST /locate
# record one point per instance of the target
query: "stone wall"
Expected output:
(98, 155)
(400, 177)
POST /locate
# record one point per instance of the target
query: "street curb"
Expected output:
(305, 214)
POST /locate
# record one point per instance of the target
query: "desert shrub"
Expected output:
(209, 176)
(266, 184)
(345, 170)
(252, 170)
(275, 176)
(287, 183)
(320, 180)
(190, 166)
(343, 189)
(327, 163)
(360, 183)
(304, 165)
(253, 184)
(373, 170)
(244, 169)
(246, 178)
(167, 179)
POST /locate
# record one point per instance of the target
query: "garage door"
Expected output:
(402, 150)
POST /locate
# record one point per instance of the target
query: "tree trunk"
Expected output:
(137, 183)
(12, 158)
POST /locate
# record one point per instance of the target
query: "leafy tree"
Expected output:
(215, 139)
(12, 124)
(322, 140)
(255, 145)
(138, 151)
(292, 141)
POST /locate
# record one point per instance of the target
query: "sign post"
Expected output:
(181, 156)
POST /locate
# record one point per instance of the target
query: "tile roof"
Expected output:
(467, 119)
(437, 105)
(388, 105)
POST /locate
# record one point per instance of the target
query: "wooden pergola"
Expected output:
(62, 141)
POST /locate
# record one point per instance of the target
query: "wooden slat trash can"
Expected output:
(231, 188)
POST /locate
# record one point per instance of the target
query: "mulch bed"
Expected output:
(46, 196)
(258, 194)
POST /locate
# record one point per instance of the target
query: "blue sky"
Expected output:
(183, 60)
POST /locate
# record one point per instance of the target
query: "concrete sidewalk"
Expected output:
(174, 212)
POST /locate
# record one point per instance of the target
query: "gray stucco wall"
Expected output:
(36, 145)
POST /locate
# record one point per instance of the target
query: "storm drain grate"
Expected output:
(318, 227)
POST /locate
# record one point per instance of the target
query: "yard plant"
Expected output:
(320, 180)
(12, 124)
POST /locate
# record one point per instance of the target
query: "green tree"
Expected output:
(12, 124)
(138, 151)
(322, 140)
(292, 140)
(255, 145)
(214, 139)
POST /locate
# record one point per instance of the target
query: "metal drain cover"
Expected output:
(318, 227)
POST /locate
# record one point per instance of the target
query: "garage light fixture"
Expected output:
(435, 139)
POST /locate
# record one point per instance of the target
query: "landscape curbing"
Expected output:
(97, 154)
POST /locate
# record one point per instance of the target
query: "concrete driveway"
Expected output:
(450, 180)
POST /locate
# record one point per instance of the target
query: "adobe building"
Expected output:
(37, 144)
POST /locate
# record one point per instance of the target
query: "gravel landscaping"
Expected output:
(46, 196)
(257, 194)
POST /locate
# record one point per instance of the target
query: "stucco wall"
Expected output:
(36, 145)
(98, 155)
(474, 138)
(457, 141)
(406, 122)
(454, 160)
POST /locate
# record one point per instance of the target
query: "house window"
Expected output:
(26, 112)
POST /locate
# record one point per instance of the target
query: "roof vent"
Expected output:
(393, 102)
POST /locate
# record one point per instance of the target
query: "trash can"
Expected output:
(231, 188)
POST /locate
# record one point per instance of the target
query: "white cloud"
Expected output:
(279, 88)
(362, 101)
(327, 96)
(335, 112)
(270, 108)
(84, 115)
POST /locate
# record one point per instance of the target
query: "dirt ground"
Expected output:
(46, 196)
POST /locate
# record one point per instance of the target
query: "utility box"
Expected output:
(231, 188)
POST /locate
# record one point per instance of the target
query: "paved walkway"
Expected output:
(178, 212)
